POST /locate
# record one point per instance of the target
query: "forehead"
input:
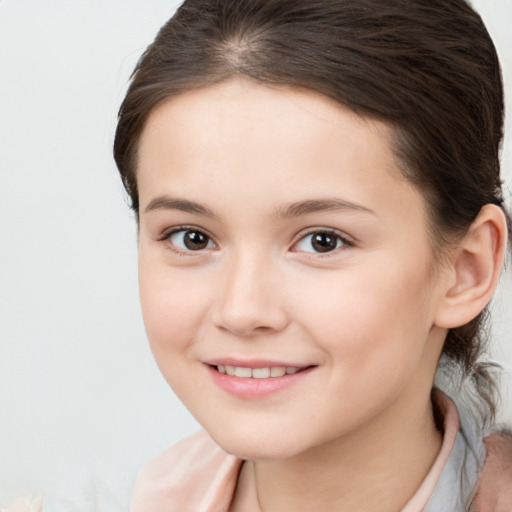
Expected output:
(238, 135)
(255, 102)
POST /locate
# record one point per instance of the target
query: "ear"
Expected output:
(475, 266)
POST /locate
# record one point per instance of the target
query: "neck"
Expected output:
(379, 467)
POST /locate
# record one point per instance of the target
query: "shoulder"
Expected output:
(195, 474)
(494, 492)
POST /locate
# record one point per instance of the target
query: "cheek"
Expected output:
(366, 318)
(172, 307)
(373, 330)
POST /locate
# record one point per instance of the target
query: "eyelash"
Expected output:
(346, 242)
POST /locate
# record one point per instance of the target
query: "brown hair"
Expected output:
(427, 67)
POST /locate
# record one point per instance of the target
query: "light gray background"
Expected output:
(82, 404)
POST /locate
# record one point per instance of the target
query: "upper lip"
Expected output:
(253, 363)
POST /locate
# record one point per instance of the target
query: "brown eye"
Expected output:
(320, 242)
(191, 240)
(324, 242)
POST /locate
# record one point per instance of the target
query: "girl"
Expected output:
(321, 226)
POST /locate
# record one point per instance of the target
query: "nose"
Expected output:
(251, 298)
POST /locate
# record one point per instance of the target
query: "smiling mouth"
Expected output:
(258, 373)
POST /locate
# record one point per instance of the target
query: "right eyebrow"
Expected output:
(184, 205)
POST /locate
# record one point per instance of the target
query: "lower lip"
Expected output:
(256, 388)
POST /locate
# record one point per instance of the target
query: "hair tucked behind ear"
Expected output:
(427, 67)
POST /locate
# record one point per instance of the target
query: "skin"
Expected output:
(370, 316)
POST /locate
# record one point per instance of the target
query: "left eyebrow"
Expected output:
(318, 205)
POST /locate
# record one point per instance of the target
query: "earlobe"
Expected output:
(476, 266)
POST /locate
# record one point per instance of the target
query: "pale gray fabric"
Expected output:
(454, 490)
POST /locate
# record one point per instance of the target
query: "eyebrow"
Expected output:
(286, 211)
(184, 205)
(318, 205)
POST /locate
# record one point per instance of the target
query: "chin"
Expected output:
(257, 443)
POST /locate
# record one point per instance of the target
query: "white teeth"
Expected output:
(277, 371)
(261, 373)
(243, 372)
(257, 373)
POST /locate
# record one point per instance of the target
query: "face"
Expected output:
(287, 281)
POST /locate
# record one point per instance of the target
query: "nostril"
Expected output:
(247, 330)
(253, 319)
